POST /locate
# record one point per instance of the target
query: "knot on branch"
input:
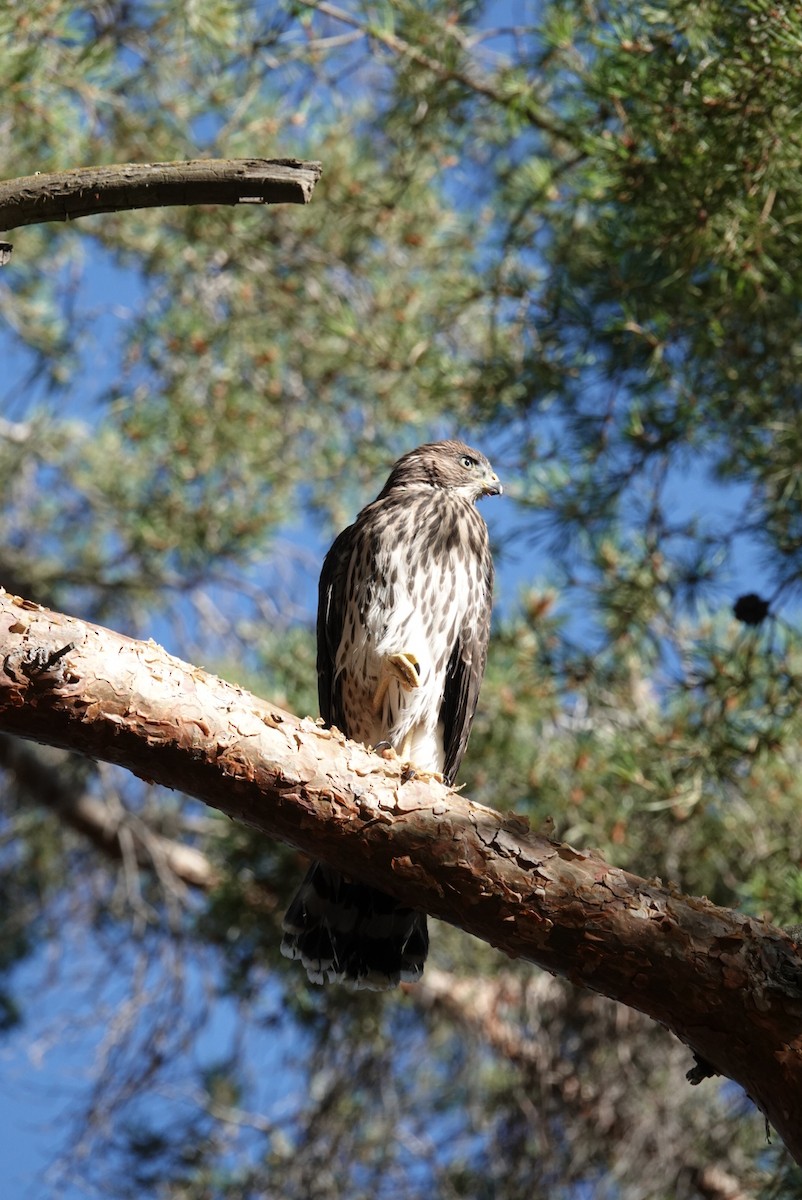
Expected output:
(38, 663)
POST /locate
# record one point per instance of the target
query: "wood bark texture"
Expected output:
(67, 195)
(730, 986)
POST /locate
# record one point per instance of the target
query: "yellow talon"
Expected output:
(405, 668)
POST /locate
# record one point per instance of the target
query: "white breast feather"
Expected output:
(396, 624)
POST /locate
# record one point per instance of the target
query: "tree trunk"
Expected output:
(729, 986)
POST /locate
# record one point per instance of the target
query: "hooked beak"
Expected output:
(492, 486)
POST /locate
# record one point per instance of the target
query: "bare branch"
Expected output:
(715, 1184)
(727, 985)
(534, 112)
(480, 1005)
(48, 777)
(34, 199)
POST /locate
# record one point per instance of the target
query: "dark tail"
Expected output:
(349, 933)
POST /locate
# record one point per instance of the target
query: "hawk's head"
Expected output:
(450, 466)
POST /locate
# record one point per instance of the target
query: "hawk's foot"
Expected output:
(405, 668)
(409, 772)
(385, 750)
(408, 769)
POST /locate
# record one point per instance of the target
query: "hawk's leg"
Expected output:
(405, 668)
(406, 750)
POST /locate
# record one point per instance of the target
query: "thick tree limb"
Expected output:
(35, 199)
(727, 985)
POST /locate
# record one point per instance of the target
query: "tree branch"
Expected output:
(534, 112)
(727, 985)
(49, 778)
(35, 199)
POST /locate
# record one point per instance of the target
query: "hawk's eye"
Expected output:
(467, 461)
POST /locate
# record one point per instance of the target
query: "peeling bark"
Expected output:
(727, 985)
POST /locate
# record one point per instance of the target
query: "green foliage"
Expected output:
(575, 241)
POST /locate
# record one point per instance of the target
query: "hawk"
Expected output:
(402, 630)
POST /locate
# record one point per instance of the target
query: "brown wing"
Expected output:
(465, 672)
(330, 618)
